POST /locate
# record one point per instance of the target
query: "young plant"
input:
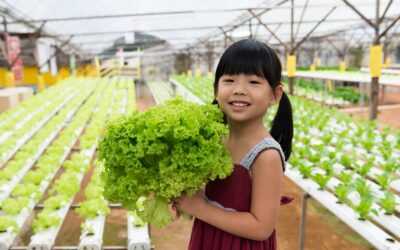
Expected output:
(13, 206)
(363, 208)
(339, 145)
(364, 168)
(56, 202)
(386, 150)
(390, 165)
(385, 132)
(8, 222)
(363, 188)
(25, 189)
(327, 166)
(321, 180)
(346, 161)
(332, 154)
(383, 180)
(368, 144)
(327, 138)
(388, 203)
(342, 191)
(305, 170)
(315, 158)
(92, 208)
(346, 177)
(45, 220)
(88, 229)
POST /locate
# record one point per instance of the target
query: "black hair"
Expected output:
(253, 57)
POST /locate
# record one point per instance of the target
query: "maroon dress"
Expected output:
(233, 193)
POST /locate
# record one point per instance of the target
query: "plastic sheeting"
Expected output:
(207, 17)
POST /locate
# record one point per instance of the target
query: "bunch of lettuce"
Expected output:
(159, 153)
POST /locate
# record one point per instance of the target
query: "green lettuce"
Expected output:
(158, 154)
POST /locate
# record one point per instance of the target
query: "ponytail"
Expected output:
(282, 126)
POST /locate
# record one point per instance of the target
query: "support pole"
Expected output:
(373, 108)
(303, 220)
(292, 51)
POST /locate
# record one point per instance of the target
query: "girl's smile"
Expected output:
(244, 97)
(239, 106)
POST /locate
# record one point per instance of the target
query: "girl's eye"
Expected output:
(255, 82)
(227, 80)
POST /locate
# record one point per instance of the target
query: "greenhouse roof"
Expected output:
(92, 26)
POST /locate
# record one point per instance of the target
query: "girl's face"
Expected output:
(245, 97)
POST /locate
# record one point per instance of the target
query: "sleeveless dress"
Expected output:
(234, 193)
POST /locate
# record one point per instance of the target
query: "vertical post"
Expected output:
(373, 108)
(383, 94)
(10, 82)
(250, 30)
(362, 101)
(5, 41)
(291, 53)
(139, 64)
(303, 220)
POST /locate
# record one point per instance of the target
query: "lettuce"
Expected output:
(45, 220)
(170, 148)
(92, 208)
(8, 222)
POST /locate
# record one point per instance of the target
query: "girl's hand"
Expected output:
(189, 204)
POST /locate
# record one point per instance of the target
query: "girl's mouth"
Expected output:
(239, 104)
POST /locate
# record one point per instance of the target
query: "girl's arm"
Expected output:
(259, 223)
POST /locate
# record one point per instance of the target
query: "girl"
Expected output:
(240, 212)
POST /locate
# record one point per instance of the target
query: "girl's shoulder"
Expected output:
(264, 144)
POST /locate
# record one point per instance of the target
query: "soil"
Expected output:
(389, 117)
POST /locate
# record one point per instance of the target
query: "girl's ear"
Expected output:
(276, 98)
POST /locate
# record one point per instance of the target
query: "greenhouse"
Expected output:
(107, 127)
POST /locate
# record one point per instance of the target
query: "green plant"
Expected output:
(385, 132)
(346, 161)
(305, 170)
(34, 177)
(363, 208)
(364, 168)
(342, 191)
(384, 180)
(25, 189)
(160, 153)
(45, 220)
(390, 165)
(87, 228)
(386, 150)
(346, 177)
(56, 202)
(13, 206)
(7, 222)
(327, 166)
(321, 180)
(327, 138)
(363, 188)
(332, 154)
(368, 144)
(315, 158)
(92, 208)
(388, 203)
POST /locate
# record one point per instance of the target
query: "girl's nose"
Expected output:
(240, 89)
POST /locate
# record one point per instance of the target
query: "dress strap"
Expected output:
(266, 143)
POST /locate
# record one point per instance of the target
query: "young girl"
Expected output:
(240, 212)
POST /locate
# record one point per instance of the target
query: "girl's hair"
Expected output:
(253, 57)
